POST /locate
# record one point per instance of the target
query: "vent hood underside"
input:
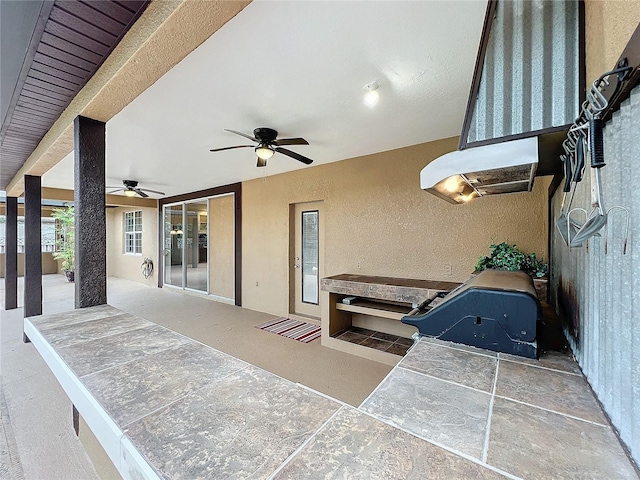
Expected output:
(507, 167)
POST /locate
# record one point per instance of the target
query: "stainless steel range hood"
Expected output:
(460, 176)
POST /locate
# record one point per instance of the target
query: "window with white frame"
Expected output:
(133, 232)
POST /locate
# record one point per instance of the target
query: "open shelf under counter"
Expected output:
(380, 301)
(378, 309)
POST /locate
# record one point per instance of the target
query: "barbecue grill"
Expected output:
(497, 310)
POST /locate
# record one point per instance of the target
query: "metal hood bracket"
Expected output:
(459, 176)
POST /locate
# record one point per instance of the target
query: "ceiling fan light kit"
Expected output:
(268, 144)
(264, 152)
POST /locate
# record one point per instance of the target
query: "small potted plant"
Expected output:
(509, 257)
(65, 239)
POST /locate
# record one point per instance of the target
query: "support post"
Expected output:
(32, 247)
(90, 218)
(11, 255)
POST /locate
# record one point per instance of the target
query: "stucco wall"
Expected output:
(128, 266)
(609, 25)
(49, 265)
(379, 222)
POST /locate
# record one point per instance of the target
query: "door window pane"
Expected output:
(310, 265)
(173, 238)
(196, 251)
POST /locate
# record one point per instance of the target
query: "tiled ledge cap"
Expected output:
(404, 290)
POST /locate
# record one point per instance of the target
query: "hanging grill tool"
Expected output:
(586, 134)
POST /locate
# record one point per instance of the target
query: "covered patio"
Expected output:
(168, 374)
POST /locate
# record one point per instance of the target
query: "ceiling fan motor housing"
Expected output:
(265, 135)
(130, 183)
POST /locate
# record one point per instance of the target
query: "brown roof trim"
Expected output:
(582, 52)
(518, 136)
(43, 17)
(477, 73)
(209, 192)
(53, 62)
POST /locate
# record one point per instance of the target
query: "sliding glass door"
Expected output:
(173, 245)
(185, 245)
(196, 277)
(199, 246)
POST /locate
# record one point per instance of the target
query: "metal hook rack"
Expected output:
(596, 105)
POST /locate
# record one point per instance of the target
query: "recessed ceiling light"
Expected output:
(371, 95)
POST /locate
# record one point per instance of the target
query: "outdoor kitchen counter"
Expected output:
(405, 290)
(164, 406)
(379, 305)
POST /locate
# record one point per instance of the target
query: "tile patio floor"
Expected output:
(445, 411)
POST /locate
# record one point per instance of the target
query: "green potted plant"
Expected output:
(65, 239)
(509, 257)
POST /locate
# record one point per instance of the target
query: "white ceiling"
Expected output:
(298, 67)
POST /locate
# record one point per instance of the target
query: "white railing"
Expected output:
(48, 241)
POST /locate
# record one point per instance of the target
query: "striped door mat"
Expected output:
(301, 331)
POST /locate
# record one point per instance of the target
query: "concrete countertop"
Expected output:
(406, 290)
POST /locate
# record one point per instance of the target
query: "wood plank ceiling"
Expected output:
(71, 41)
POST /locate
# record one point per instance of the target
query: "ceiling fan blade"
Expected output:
(291, 141)
(141, 193)
(116, 190)
(230, 148)
(261, 162)
(242, 135)
(152, 191)
(295, 155)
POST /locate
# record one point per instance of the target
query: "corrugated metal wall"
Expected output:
(601, 293)
(530, 74)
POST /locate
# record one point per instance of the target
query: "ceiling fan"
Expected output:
(268, 144)
(131, 189)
